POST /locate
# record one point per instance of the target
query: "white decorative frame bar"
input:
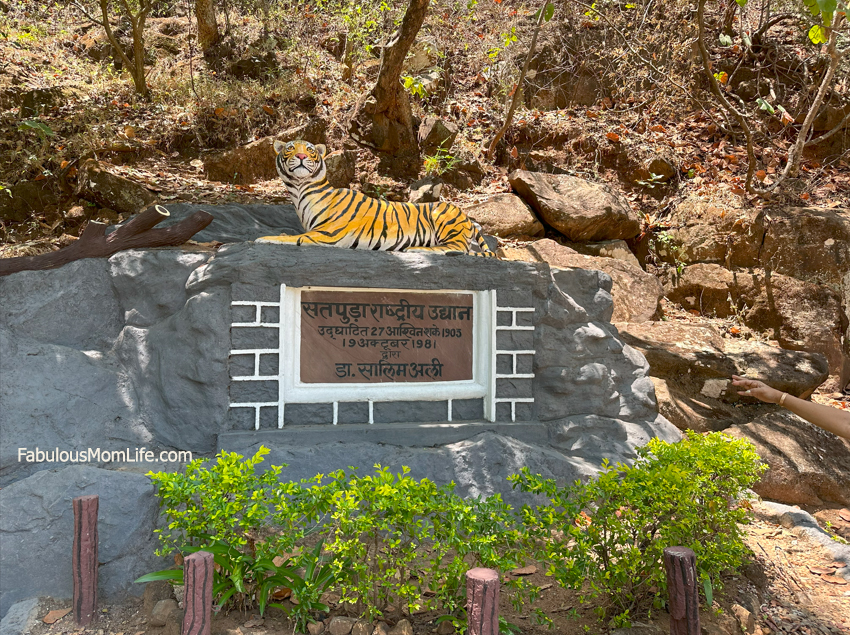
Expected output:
(513, 326)
(292, 390)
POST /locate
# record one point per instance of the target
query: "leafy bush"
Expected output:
(611, 532)
(386, 539)
(248, 521)
(404, 537)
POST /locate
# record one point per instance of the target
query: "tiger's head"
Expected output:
(300, 161)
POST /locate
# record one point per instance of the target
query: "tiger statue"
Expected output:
(345, 218)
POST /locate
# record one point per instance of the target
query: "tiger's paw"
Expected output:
(271, 240)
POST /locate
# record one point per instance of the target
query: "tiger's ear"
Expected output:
(321, 149)
(278, 146)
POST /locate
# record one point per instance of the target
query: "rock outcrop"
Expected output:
(636, 293)
(96, 183)
(696, 363)
(807, 465)
(37, 531)
(506, 215)
(785, 271)
(255, 161)
(581, 210)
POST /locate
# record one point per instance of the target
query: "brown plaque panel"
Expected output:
(364, 337)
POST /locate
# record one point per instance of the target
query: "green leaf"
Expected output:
(827, 7)
(725, 40)
(763, 105)
(817, 34)
(741, 3)
(549, 11)
(709, 590)
(41, 128)
(175, 575)
(812, 6)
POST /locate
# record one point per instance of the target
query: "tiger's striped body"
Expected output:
(349, 219)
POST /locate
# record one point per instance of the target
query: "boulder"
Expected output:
(341, 168)
(340, 625)
(617, 249)
(255, 161)
(582, 211)
(636, 293)
(97, 184)
(702, 356)
(694, 411)
(19, 202)
(426, 190)
(20, 618)
(403, 627)
(423, 54)
(717, 232)
(162, 611)
(464, 175)
(506, 215)
(692, 366)
(808, 466)
(434, 134)
(799, 315)
(36, 547)
(811, 244)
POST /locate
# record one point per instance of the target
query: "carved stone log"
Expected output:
(93, 243)
(84, 559)
(198, 598)
(482, 601)
(680, 564)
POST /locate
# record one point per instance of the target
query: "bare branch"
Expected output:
(518, 90)
(104, 9)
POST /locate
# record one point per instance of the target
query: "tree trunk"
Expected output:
(385, 121)
(208, 34)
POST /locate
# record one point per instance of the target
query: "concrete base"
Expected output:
(421, 435)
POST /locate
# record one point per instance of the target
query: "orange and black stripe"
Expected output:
(349, 219)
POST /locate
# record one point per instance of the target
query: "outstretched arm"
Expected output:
(826, 417)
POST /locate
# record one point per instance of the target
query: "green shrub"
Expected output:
(404, 537)
(255, 527)
(610, 533)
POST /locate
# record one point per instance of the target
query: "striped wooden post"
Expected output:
(482, 601)
(680, 564)
(197, 598)
(84, 559)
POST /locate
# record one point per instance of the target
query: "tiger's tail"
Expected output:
(485, 252)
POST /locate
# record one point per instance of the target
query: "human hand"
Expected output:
(757, 389)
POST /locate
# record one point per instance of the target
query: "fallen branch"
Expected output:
(93, 243)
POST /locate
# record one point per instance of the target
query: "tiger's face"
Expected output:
(300, 160)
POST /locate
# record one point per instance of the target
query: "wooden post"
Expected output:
(482, 601)
(197, 598)
(84, 559)
(680, 564)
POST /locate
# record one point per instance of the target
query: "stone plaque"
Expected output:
(393, 336)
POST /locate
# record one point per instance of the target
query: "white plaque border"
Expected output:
(482, 384)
